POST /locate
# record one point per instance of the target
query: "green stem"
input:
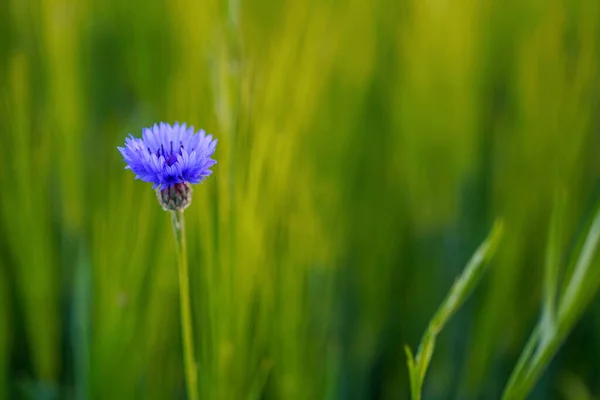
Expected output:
(539, 364)
(520, 370)
(186, 310)
(577, 295)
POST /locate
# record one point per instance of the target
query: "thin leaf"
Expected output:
(552, 267)
(463, 287)
(415, 384)
(570, 304)
(425, 353)
(458, 294)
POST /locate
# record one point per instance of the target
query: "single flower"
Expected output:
(172, 158)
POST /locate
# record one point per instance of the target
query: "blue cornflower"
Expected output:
(172, 158)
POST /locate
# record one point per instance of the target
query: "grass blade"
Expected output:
(459, 292)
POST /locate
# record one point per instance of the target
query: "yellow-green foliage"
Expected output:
(365, 147)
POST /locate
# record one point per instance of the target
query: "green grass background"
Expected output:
(365, 149)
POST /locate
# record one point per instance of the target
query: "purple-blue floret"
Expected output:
(168, 155)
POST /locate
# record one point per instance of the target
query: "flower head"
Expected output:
(170, 157)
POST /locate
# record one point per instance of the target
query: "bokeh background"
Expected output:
(365, 149)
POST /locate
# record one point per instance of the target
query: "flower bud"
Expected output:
(176, 197)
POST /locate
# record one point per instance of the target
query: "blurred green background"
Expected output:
(365, 149)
